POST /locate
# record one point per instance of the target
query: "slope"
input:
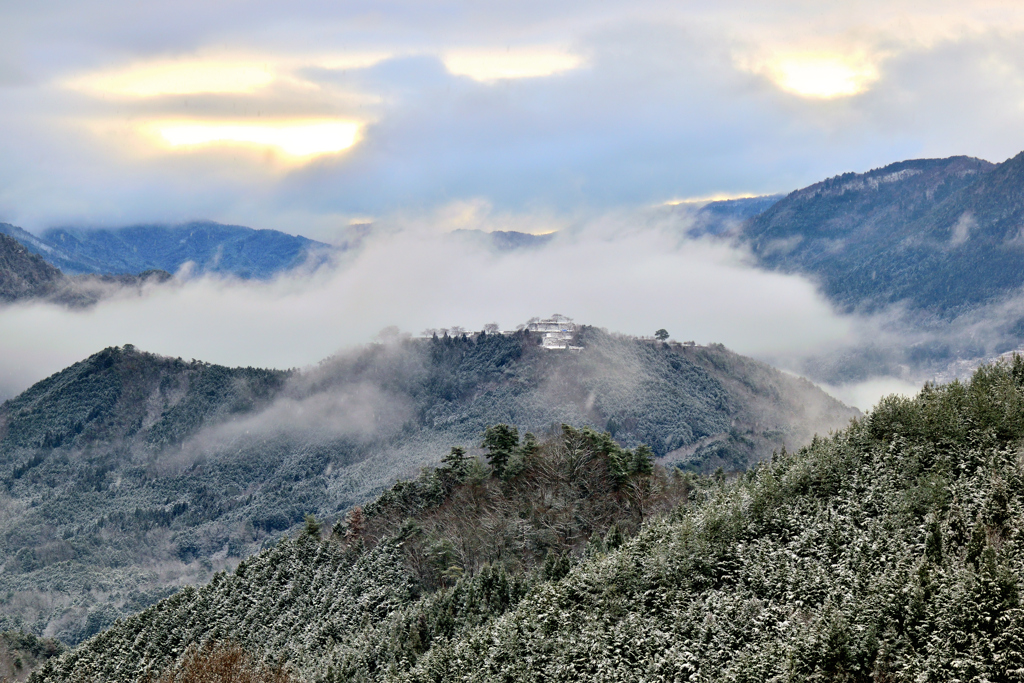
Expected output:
(727, 215)
(86, 499)
(211, 247)
(940, 235)
(24, 275)
(166, 470)
(889, 551)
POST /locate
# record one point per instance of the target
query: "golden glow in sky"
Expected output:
(182, 77)
(294, 138)
(493, 65)
(821, 76)
(720, 197)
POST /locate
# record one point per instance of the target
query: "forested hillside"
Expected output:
(940, 235)
(473, 535)
(210, 247)
(26, 276)
(129, 474)
(22, 653)
(89, 494)
(887, 551)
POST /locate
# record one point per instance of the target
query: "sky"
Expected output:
(305, 116)
(582, 117)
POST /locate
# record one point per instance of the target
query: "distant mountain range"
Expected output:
(128, 474)
(932, 248)
(25, 275)
(726, 216)
(202, 246)
(505, 240)
(210, 247)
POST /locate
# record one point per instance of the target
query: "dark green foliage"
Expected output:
(312, 528)
(456, 462)
(501, 442)
(301, 596)
(456, 519)
(833, 563)
(447, 551)
(21, 653)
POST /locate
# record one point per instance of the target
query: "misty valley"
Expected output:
(554, 502)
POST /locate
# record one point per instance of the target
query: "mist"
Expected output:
(630, 272)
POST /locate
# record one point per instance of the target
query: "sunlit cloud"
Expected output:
(821, 76)
(179, 77)
(705, 199)
(493, 65)
(343, 61)
(215, 75)
(294, 138)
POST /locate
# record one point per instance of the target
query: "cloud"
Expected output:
(629, 272)
(615, 104)
(495, 65)
(179, 77)
(295, 138)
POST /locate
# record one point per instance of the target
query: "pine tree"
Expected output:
(501, 441)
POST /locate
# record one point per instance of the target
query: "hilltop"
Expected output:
(129, 474)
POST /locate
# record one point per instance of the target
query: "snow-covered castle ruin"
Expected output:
(556, 332)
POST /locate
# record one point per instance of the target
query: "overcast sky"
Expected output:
(303, 116)
(429, 116)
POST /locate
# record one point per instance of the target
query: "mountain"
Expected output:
(24, 275)
(887, 551)
(128, 475)
(505, 240)
(210, 247)
(938, 235)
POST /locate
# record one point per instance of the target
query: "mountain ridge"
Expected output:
(889, 235)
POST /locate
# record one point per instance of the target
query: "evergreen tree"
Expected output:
(501, 441)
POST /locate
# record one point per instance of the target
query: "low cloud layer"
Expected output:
(630, 273)
(627, 271)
